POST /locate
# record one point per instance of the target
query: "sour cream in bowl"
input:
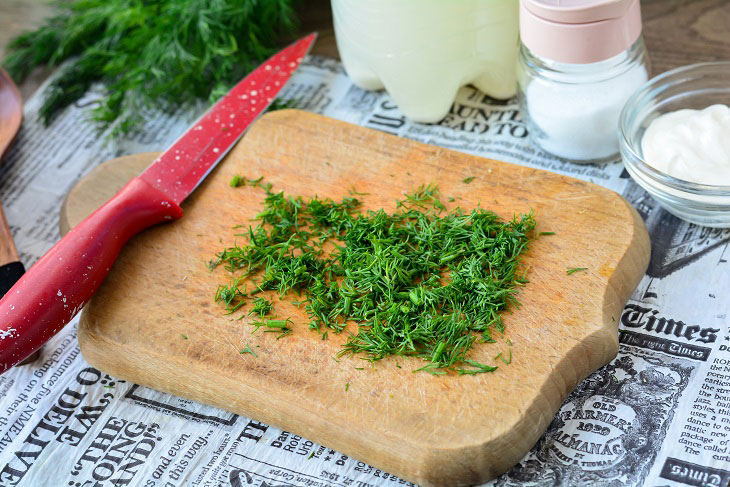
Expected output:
(674, 136)
(693, 145)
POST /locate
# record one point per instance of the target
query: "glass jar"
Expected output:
(579, 62)
(572, 110)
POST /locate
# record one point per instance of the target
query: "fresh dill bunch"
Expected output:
(420, 281)
(149, 53)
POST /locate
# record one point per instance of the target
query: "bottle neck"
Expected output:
(583, 73)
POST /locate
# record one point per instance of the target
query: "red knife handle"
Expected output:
(56, 288)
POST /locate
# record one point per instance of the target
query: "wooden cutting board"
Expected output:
(434, 430)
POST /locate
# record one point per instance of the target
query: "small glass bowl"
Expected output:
(696, 86)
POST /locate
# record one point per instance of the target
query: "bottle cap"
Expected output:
(579, 31)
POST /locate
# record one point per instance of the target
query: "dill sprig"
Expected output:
(274, 326)
(419, 282)
(261, 307)
(231, 295)
(157, 53)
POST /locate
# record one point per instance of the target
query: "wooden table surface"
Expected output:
(677, 32)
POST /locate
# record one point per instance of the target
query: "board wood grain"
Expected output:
(447, 430)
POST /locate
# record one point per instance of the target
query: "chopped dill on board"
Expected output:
(420, 281)
(505, 360)
(573, 270)
(261, 307)
(231, 296)
(274, 326)
(237, 181)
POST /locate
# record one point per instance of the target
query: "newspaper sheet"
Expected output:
(659, 414)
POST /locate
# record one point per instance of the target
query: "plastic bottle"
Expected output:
(423, 51)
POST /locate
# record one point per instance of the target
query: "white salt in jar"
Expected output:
(578, 64)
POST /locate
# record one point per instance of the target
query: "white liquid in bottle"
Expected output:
(422, 51)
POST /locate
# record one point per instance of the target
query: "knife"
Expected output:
(55, 289)
(11, 269)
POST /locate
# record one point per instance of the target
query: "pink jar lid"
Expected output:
(579, 31)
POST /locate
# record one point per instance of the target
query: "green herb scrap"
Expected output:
(573, 270)
(419, 282)
(261, 307)
(231, 296)
(507, 360)
(237, 180)
(274, 326)
(158, 53)
(281, 104)
(477, 368)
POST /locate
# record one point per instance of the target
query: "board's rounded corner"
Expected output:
(88, 336)
(100, 184)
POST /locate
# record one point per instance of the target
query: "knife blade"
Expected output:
(56, 287)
